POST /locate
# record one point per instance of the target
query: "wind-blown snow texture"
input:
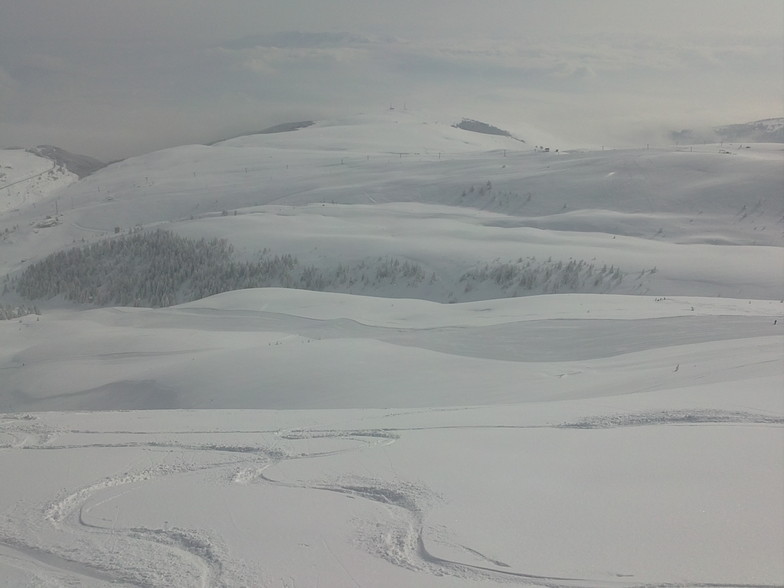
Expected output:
(599, 405)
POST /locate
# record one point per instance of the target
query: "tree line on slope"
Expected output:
(9, 312)
(159, 268)
(525, 276)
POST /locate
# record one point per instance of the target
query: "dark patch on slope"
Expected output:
(118, 395)
(286, 127)
(476, 126)
(281, 128)
(81, 165)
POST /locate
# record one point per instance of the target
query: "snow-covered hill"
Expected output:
(555, 368)
(769, 130)
(28, 179)
(293, 349)
(456, 203)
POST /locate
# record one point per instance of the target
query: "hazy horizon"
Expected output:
(113, 79)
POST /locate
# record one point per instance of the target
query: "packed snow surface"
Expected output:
(441, 432)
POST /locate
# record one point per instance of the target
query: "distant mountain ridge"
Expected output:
(286, 127)
(466, 124)
(768, 130)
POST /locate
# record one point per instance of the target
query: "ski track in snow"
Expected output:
(675, 417)
(165, 556)
(23, 430)
(80, 549)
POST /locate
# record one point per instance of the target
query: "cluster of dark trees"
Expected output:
(156, 268)
(531, 276)
(159, 268)
(8, 312)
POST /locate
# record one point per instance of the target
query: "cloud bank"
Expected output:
(111, 79)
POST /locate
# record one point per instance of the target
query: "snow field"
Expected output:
(658, 464)
(353, 352)
(586, 439)
(487, 495)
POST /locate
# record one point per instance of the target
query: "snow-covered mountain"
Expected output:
(28, 178)
(471, 215)
(473, 363)
(769, 130)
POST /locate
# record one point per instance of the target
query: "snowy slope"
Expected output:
(769, 130)
(663, 486)
(558, 441)
(714, 219)
(628, 436)
(27, 179)
(295, 349)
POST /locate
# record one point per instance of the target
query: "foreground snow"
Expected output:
(554, 494)
(588, 439)
(622, 441)
(288, 349)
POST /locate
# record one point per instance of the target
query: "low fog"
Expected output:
(114, 79)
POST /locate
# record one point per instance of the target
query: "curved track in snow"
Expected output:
(68, 537)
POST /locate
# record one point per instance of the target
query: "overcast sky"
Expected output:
(113, 78)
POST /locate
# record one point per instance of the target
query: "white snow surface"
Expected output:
(278, 437)
(26, 179)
